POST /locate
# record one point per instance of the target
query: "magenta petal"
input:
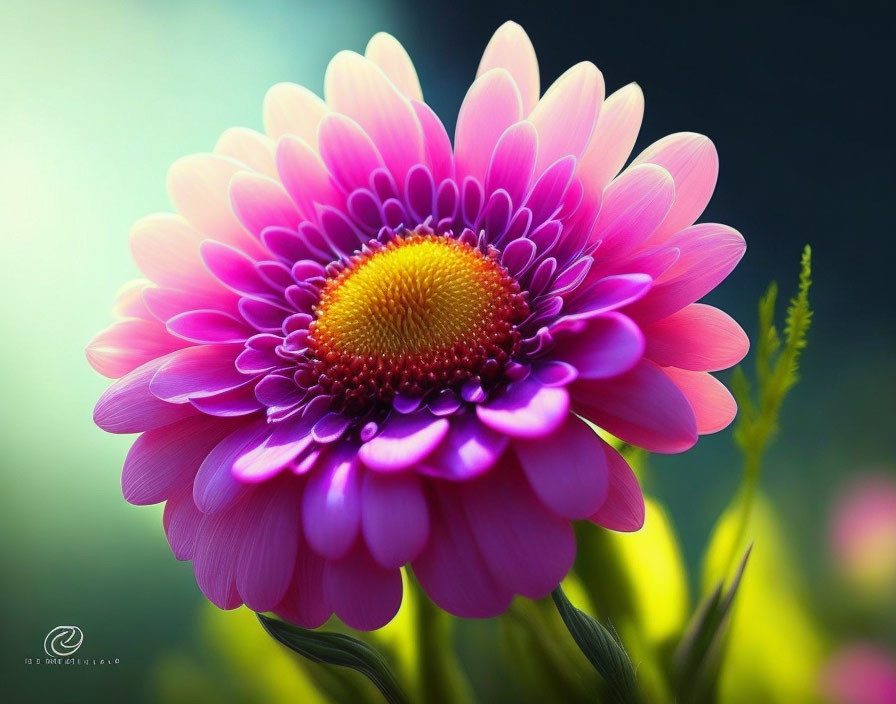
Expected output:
(605, 295)
(287, 440)
(698, 337)
(513, 162)
(451, 569)
(608, 345)
(240, 401)
(527, 548)
(623, 509)
(181, 521)
(268, 551)
(209, 326)
(127, 344)
(215, 488)
(196, 372)
(218, 544)
(394, 517)
(714, 406)
(469, 448)
(331, 505)
(128, 406)
(403, 441)
(305, 602)
(643, 407)
(364, 595)
(164, 460)
(526, 409)
(567, 469)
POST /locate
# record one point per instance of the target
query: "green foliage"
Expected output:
(777, 367)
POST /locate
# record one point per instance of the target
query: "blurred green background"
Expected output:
(98, 98)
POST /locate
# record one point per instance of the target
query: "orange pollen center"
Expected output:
(421, 312)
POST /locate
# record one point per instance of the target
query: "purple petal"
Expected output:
(394, 517)
(208, 326)
(196, 372)
(215, 488)
(469, 449)
(364, 595)
(403, 441)
(331, 505)
(287, 440)
(623, 509)
(526, 409)
(607, 345)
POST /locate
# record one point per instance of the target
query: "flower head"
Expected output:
(360, 346)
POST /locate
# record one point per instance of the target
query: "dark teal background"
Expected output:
(98, 98)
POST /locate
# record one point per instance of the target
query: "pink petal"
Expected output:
(218, 544)
(513, 162)
(632, 208)
(394, 517)
(287, 440)
(181, 521)
(566, 114)
(698, 337)
(608, 345)
(195, 372)
(166, 249)
(331, 505)
(260, 202)
(305, 176)
(349, 153)
(694, 164)
(163, 462)
(209, 326)
(388, 53)
(268, 548)
(623, 509)
(439, 155)
(526, 409)
(357, 87)
(364, 595)
(566, 470)
(127, 344)
(451, 568)
(511, 49)
(251, 148)
(128, 406)
(614, 136)
(403, 441)
(215, 488)
(491, 106)
(198, 186)
(643, 407)
(527, 548)
(305, 602)
(713, 404)
(293, 109)
(708, 253)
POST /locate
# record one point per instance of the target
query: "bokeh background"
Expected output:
(98, 98)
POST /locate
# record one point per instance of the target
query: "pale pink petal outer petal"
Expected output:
(698, 337)
(305, 176)
(439, 154)
(348, 151)
(128, 344)
(388, 53)
(694, 164)
(357, 87)
(566, 114)
(633, 206)
(491, 106)
(623, 509)
(511, 49)
(714, 406)
(250, 147)
(261, 202)
(576, 486)
(614, 136)
(199, 188)
(293, 109)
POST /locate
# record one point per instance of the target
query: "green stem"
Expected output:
(442, 680)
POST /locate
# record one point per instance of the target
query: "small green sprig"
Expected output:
(777, 372)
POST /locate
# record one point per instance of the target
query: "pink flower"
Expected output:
(360, 347)
(863, 532)
(861, 674)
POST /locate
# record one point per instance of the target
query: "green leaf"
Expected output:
(337, 649)
(602, 648)
(695, 653)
